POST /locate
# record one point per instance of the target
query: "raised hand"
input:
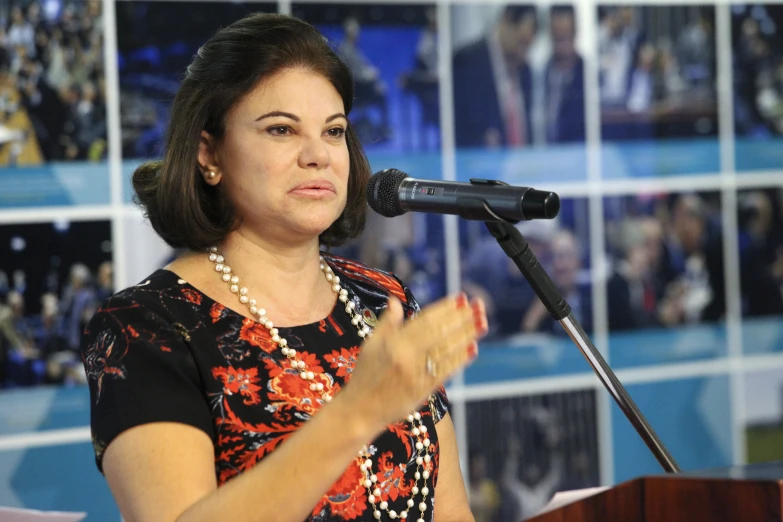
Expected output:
(403, 362)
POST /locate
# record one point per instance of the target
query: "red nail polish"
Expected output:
(479, 320)
(473, 350)
(462, 300)
(481, 326)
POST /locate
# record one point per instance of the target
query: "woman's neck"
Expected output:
(286, 280)
(286, 263)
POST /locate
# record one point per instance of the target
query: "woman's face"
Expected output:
(284, 159)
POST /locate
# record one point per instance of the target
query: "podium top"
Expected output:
(762, 471)
(747, 493)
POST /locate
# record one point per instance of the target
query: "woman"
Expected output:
(252, 379)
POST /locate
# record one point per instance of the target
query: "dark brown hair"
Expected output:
(182, 208)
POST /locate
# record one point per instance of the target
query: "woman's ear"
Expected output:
(207, 159)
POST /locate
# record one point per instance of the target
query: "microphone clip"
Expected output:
(476, 208)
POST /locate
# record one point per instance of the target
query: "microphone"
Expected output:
(392, 193)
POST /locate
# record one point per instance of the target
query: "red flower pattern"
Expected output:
(343, 360)
(242, 382)
(243, 456)
(217, 312)
(288, 389)
(347, 498)
(191, 296)
(391, 478)
(257, 335)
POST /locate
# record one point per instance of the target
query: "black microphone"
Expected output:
(392, 193)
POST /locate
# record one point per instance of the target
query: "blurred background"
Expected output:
(660, 126)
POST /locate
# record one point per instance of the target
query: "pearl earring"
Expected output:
(212, 174)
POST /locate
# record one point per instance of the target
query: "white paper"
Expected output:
(563, 498)
(32, 515)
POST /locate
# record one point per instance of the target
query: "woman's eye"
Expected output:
(337, 132)
(279, 130)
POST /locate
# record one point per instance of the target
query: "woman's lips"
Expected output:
(319, 189)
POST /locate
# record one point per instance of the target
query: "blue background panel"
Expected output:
(556, 163)
(692, 418)
(753, 154)
(56, 478)
(524, 357)
(762, 335)
(55, 184)
(667, 345)
(527, 356)
(660, 158)
(45, 408)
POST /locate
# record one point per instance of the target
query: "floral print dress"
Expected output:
(162, 351)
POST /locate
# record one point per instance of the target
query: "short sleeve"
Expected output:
(439, 401)
(139, 370)
(439, 404)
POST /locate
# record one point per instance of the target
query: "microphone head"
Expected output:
(383, 192)
(541, 204)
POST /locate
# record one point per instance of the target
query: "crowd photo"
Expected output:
(53, 277)
(657, 72)
(155, 43)
(396, 106)
(665, 258)
(52, 82)
(758, 70)
(524, 61)
(760, 221)
(525, 449)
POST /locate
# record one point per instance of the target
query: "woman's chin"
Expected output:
(295, 225)
(312, 227)
(316, 220)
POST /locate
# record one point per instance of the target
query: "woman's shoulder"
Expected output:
(159, 311)
(374, 281)
(149, 296)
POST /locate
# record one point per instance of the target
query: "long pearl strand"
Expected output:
(418, 429)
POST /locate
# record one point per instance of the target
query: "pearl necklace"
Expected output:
(418, 429)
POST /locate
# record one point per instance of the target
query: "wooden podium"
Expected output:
(737, 494)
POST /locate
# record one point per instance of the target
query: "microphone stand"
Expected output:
(516, 247)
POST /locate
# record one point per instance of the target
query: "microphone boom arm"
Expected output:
(516, 247)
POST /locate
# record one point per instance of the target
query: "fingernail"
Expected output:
(473, 350)
(479, 319)
(462, 300)
(481, 325)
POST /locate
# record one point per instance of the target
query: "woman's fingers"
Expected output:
(436, 342)
(393, 318)
(403, 361)
(436, 322)
(460, 346)
(444, 341)
(434, 333)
